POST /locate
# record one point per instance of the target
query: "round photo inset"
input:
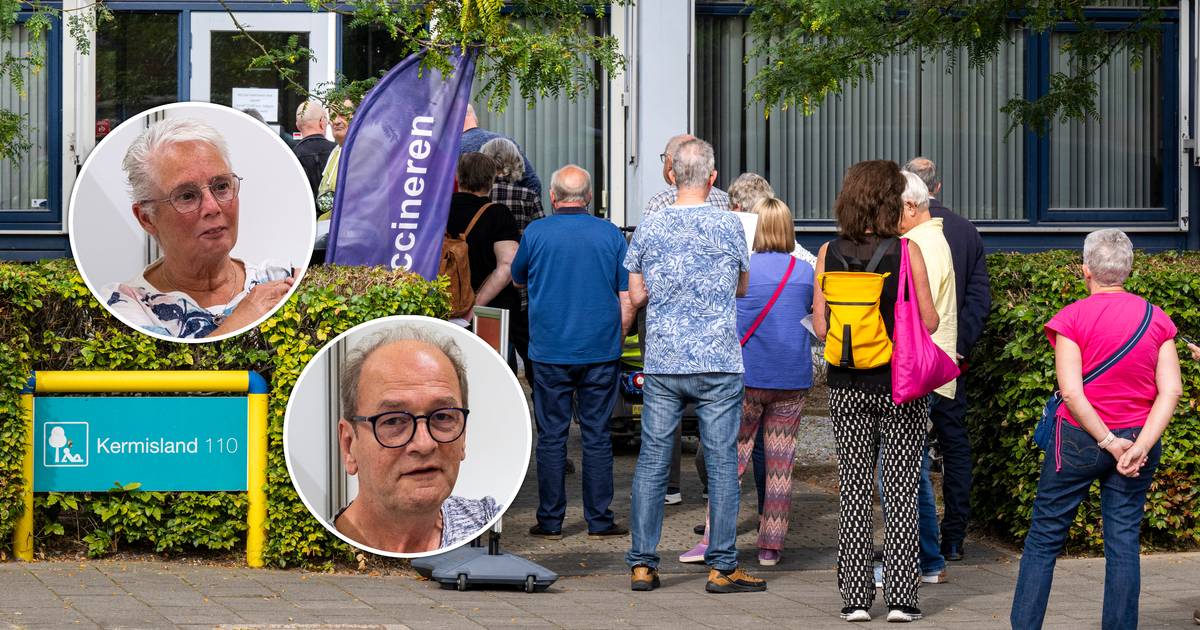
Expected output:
(407, 436)
(192, 222)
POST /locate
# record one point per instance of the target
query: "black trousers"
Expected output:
(949, 417)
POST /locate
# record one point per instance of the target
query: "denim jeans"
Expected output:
(949, 417)
(718, 400)
(1122, 503)
(932, 561)
(560, 391)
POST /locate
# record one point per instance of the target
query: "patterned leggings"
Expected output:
(866, 424)
(778, 410)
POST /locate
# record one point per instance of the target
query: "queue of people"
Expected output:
(730, 325)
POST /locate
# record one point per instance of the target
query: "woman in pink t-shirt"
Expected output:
(1109, 431)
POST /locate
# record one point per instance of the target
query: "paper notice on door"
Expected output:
(749, 226)
(265, 100)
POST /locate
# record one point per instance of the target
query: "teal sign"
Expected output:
(163, 443)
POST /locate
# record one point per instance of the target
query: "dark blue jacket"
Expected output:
(970, 274)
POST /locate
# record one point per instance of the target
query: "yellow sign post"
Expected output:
(73, 467)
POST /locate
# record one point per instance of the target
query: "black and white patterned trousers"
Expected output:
(866, 424)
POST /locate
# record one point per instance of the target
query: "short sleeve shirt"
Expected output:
(1100, 324)
(495, 225)
(690, 258)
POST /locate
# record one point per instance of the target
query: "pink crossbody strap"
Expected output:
(771, 302)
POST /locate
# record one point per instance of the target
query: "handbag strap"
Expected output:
(471, 225)
(766, 309)
(1123, 350)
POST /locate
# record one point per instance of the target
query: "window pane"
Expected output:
(137, 57)
(804, 157)
(25, 182)
(906, 111)
(964, 132)
(1116, 161)
(555, 132)
(368, 52)
(231, 55)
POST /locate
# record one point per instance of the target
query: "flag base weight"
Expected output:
(475, 565)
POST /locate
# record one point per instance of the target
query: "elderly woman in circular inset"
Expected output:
(185, 195)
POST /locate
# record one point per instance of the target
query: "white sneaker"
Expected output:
(673, 498)
(855, 614)
(934, 578)
(903, 614)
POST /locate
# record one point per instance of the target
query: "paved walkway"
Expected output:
(160, 595)
(593, 591)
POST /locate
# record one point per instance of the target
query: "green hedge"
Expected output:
(50, 321)
(1012, 374)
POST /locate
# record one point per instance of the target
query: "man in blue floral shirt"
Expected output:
(687, 263)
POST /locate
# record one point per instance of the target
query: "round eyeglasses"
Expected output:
(188, 197)
(395, 429)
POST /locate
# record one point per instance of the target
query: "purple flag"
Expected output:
(396, 172)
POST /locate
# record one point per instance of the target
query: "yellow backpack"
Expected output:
(857, 336)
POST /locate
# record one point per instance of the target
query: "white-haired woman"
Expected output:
(525, 204)
(1108, 430)
(185, 195)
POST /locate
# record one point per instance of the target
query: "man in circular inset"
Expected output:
(403, 433)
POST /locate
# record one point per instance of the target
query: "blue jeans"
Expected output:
(718, 400)
(932, 560)
(1122, 502)
(560, 391)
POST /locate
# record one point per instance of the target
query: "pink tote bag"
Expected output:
(919, 366)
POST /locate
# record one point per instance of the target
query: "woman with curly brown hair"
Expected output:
(865, 420)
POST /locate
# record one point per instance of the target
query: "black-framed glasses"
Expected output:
(662, 157)
(188, 197)
(395, 429)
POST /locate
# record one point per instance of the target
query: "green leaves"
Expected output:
(1012, 374)
(61, 326)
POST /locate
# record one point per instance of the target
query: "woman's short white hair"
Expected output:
(915, 190)
(1108, 254)
(139, 159)
(509, 163)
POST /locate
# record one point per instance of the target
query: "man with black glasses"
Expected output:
(403, 433)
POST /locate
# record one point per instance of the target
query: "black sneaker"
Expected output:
(699, 529)
(855, 613)
(615, 530)
(903, 614)
(537, 530)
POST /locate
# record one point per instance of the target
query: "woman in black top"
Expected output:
(865, 420)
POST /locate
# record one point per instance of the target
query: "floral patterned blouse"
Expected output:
(175, 313)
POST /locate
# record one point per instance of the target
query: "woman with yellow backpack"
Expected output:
(858, 280)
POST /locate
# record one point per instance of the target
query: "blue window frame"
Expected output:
(51, 218)
(1040, 150)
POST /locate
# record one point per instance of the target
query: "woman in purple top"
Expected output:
(778, 368)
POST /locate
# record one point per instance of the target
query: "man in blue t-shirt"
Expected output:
(579, 311)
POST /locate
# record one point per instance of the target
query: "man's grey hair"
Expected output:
(310, 112)
(926, 170)
(748, 189)
(693, 163)
(567, 194)
(139, 162)
(1109, 255)
(357, 356)
(915, 190)
(509, 163)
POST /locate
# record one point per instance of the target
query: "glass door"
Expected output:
(221, 57)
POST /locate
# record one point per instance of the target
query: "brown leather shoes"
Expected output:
(737, 582)
(644, 578)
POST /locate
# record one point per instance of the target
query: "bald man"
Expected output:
(474, 137)
(716, 197)
(403, 435)
(579, 309)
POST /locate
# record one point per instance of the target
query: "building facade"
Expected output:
(1135, 167)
